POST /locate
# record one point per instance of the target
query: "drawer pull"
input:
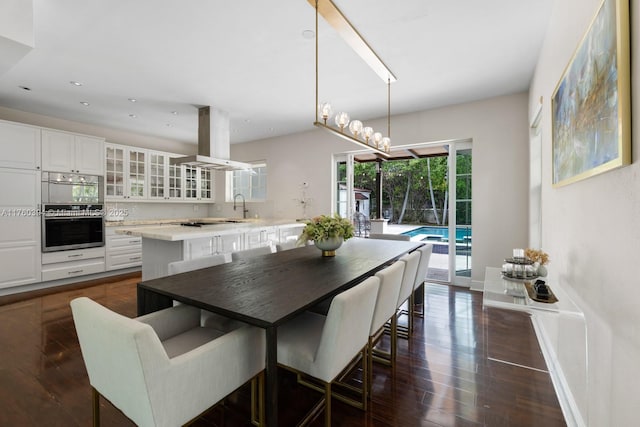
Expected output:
(134, 241)
(135, 258)
(74, 256)
(75, 272)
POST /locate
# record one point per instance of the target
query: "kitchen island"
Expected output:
(164, 243)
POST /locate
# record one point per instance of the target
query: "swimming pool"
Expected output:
(462, 233)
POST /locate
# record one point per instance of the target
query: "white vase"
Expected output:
(329, 246)
(542, 271)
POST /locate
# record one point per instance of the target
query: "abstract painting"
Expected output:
(591, 131)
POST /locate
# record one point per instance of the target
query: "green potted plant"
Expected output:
(327, 232)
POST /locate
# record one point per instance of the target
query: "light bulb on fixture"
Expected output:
(364, 136)
(342, 120)
(324, 110)
(377, 139)
(386, 143)
(356, 128)
(367, 132)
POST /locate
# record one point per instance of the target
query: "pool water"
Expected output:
(462, 233)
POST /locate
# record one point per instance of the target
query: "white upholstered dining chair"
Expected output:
(208, 319)
(323, 346)
(287, 245)
(250, 253)
(177, 267)
(421, 275)
(163, 369)
(412, 262)
(385, 310)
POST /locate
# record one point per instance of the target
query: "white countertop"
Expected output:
(172, 231)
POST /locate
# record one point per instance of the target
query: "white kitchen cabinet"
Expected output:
(165, 180)
(73, 263)
(266, 236)
(19, 227)
(218, 244)
(198, 184)
(289, 232)
(122, 251)
(19, 146)
(125, 172)
(69, 152)
(227, 243)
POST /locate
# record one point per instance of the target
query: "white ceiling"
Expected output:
(249, 57)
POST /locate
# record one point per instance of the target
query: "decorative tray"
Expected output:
(548, 298)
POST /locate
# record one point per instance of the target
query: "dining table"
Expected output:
(268, 290)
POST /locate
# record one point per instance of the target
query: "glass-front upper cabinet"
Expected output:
(157, 174)
(125, 172)
(165, 180)
(114, 172)
(198, 184)
(135, 173)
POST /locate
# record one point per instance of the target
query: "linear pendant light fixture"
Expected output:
(360, 134)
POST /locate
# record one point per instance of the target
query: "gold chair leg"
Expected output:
(394, 339)
(327, 405)
(95, 403)
(365, 378)
(257, 387)
(410, 314)
(370, 368)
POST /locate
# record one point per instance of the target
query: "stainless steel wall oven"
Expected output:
(73, 215)
(67, 227)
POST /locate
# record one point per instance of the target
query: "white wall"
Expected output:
(498, 128)
(591, 231)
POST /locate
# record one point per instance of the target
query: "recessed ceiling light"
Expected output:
(73, 82)
(133, 116)
(308, 34)
(133, 100)
(85, 103)
(25, 88)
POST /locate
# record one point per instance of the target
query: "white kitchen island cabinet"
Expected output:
(168, 243)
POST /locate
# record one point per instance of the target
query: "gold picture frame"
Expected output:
(591, 105)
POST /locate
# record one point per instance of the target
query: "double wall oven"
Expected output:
(73, 215)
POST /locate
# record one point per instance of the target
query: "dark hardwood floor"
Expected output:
(465, 366)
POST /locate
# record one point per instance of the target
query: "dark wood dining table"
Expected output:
(268, 290)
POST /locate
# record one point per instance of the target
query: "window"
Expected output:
(252, 184)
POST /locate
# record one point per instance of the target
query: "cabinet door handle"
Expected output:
(74, 256)
(75, 272)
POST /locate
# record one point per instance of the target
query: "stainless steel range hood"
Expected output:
(213, 143)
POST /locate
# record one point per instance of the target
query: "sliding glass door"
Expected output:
(417, 197)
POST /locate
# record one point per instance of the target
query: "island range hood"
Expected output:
(213, 143)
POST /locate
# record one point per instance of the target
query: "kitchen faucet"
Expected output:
(244, 206)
